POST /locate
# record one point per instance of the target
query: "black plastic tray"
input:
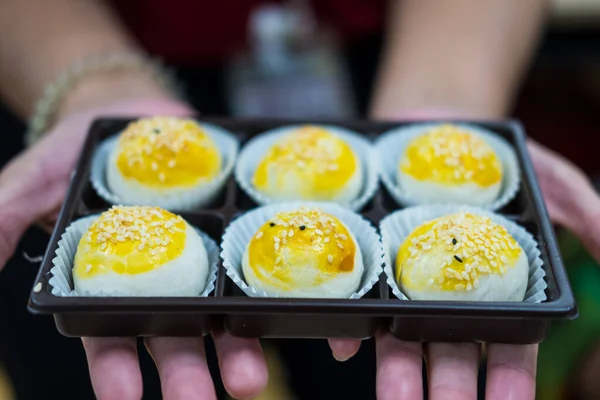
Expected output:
(229, 308)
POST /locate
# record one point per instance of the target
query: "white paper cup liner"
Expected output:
(239, 233)
(398, 225)
(255, 150)
(188, 200)
(61, 282)
(391, 145)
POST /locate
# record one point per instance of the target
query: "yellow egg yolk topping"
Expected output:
(303, 239)
(167, 152)
(130, 240)
(321, 162)
(450, 155)
(453, 251)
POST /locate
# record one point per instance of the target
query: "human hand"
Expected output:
(572, 203)
(452, 368)
(32, 188)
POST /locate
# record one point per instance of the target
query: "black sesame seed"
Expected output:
(156, 130)
(454, 241)
(457, 258)
(302, 227)
(272, 224)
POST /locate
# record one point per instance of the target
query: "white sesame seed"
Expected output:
(343, 237)
(330, 259)
(459, 286)
(259, 235)
(154, 166)
(276, 246)
(431, 281)
(341, 246)
(318, 232)
(465, 275)
(171, 164)
(469, 286)
(38, 287)
(276, 239)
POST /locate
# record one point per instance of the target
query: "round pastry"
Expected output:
(161, 157)
(462, 256)
(449, 164)
(304, 253)
(140, 251)
(310, 163)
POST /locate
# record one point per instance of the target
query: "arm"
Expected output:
(41, 38)
(466, 55)
(38, 39)
(461, 59)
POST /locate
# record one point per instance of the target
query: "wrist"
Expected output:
(106, 88)
(423, 113)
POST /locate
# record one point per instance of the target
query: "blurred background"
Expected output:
(559, 104)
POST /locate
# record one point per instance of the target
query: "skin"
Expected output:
(493, 51)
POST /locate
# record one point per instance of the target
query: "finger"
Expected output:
(570, 197)
(511, 372)
(114, 368)
(181, 364)
(243, 366)
(399, 369)
(344, 349)
(452, 370)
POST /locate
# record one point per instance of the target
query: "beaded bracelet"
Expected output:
(55, 91)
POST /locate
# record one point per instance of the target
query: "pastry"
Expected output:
(303, 253)
(161, 158)
(450, 164)
(310, 163)
(462, 256)
(140, 251)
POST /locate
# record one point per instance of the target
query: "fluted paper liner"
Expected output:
(61, 282)
(397, 226)
(254, 151)
(240, 232)
(198, 197)
(391, 145)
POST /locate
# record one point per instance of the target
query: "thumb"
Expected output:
(28, 191)
(570, 197)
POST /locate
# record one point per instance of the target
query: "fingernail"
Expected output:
(340, 359)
